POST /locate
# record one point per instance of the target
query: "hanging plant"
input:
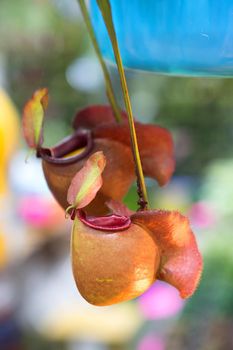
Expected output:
(116, 253)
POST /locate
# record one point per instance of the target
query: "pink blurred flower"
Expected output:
(202, 215)
(160, 301)
(40, 212)
(151, 342)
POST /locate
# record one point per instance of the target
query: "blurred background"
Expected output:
(44, 43)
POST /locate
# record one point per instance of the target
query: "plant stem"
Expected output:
(109, 88)
(105, 8)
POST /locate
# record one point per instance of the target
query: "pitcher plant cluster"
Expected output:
(116, 253)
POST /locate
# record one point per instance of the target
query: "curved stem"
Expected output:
(109, 88)
(105, 8)
(69, 211)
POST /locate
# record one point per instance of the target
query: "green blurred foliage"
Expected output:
(204, 108)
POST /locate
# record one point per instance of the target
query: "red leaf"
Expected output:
(33, 118)
(87, 181)
(181, 262)
(93, 116)
(155, 146)
(155, 143)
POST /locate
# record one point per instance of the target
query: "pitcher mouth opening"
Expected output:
(110, 223)
(69, 150)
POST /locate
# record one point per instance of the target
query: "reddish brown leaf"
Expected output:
(155, 145)
(33, 118)
(93, 116)
(87, 181)
(181, 262)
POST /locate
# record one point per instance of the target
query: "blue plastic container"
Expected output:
(179, 37)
